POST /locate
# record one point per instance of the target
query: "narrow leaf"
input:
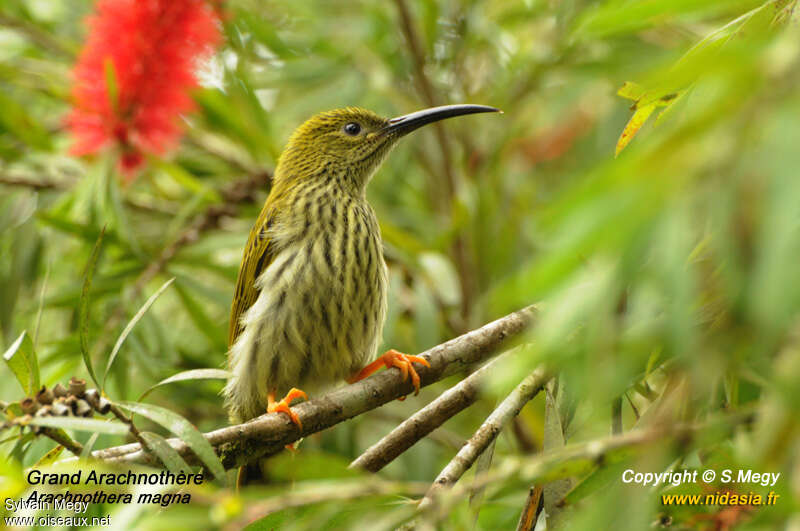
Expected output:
(83, 306)
(193, 374)
(50, 457)
(183, 429)
(631, 91)
(206, 326)
(669, 107)
(131, 324)
(21, 359)
(482, 467)
(87, 448)
(166, 453)
(82, 424)
(634, 124)
(597, 480)
(190, 182)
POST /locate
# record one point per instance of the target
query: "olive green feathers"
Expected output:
(311, 295)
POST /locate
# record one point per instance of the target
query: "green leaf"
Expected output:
(193, 374)
(315, 465)
(86, 232)
(631, 91)
(166, 453)
(82, 424)
(16, 119)
(190, 182)
(611, 18)
(87, 448)
(183, 429)
(206, 326)
(599, 479)
(13, 483)
(131, 324)
(482, 467)
(13, 410)
(83, 306)
(443, 277)
(21, 359)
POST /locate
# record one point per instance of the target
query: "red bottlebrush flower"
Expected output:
(133, 77)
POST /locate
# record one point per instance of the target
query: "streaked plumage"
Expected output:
(310, 300)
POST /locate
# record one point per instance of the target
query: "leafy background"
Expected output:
(667, 274)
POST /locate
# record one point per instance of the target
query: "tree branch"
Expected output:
(269, 434)
(447, 405)
(488, 432)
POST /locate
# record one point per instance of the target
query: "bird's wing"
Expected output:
(258, 254)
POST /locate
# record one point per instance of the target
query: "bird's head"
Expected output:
(348, 145)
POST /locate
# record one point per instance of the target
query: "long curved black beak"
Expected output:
(403, 125)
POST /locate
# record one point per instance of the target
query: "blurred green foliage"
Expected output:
(668, 275)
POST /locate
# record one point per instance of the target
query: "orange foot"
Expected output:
(283, 405)
(392, 358)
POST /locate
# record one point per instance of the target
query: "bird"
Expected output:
(311, 294)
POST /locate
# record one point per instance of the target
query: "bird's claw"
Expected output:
(284, 405)
(392, 358)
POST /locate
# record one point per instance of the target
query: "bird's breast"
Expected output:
(328, 289)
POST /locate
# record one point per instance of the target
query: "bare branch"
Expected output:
(507, 410)
(447, 405)
(268, 434)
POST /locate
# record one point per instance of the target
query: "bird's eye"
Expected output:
(352, 129)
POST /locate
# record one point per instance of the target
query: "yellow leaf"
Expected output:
(631, 90)
(634, 124)
(50, 457)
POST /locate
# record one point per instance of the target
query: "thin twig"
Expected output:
(491, 427)
(128, 421)
(269, 434)
(59, 437)
(424, 421)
